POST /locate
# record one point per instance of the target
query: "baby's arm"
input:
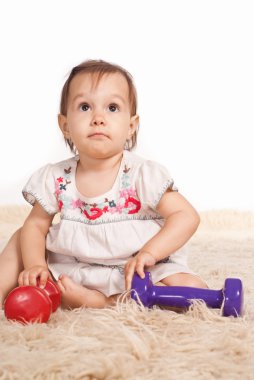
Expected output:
(181, 221)
(32, 242)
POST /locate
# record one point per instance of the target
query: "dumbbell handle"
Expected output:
(180, 296)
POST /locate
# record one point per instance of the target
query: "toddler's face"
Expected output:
(98, 119)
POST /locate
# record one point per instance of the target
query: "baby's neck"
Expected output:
(87, 164)
(96, 178)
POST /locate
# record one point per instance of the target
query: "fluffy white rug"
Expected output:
(131, 342)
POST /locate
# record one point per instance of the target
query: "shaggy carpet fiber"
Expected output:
(130, 342)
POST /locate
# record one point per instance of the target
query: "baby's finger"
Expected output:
(26, 281)
(20, 279)
(140, 268)
(129, 272)
(43, 279)
(33, 279)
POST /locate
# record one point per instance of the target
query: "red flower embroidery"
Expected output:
(96, 213)
(60, 204)
(60, 179)
(135, 202)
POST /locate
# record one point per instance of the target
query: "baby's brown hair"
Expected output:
(100, 68)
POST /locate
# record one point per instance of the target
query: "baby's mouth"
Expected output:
(98, 134)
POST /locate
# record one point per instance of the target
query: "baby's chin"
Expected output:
(101, 150)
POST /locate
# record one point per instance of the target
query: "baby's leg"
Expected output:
(10, 266)
(75, 295)
(184, 279)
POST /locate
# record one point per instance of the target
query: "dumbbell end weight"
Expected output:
(141, 289)
(31, 304)
(233, 297)
(27, 304)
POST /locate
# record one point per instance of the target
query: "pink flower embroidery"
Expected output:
(76, 203)
(57, 192)
(131, 192)
(112, 210)
(124, 193)
(119, 208)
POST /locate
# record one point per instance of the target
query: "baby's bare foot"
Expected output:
(75, 295)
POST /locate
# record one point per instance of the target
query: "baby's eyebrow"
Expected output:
(118, 96)
(78, 96)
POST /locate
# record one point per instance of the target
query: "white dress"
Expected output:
(96, 236)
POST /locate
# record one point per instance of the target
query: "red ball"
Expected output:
(27, 304)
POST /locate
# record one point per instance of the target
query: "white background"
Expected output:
(193, 65)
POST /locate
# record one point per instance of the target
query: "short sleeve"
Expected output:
(41, 188)
(153, 181)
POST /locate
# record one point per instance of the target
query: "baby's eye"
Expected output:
(84, 107)
(113, 107)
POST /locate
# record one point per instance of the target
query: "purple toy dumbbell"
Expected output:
(230, 297)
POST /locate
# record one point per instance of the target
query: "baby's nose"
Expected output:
(98, 120)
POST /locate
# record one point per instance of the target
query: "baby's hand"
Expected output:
(30, 276)
(138, 264)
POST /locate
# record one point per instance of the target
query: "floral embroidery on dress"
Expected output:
(128, 203)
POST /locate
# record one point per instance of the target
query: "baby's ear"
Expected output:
(62, 122)
(134, 123)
